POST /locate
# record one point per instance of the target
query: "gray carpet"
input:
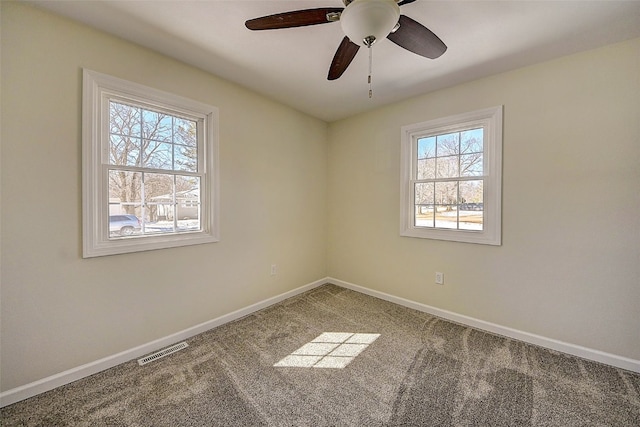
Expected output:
(420, 371)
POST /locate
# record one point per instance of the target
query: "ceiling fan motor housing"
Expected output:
(365, 21)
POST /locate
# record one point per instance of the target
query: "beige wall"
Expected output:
(60, 311)
(568, 269)
(569, 266)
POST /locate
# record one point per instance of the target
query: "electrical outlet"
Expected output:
(439, 278)
(274, 269)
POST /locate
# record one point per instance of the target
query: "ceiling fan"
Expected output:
(363, 22)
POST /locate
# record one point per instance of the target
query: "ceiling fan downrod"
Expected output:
(370, 72)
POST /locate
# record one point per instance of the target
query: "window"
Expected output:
(451, 178)
(149, 168)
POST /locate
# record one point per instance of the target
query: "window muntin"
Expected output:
(152, 157)
(451, 178)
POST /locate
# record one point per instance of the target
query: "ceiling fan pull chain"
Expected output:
(370, 66)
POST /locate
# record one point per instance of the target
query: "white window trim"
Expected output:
(98, 88)
(491, 120)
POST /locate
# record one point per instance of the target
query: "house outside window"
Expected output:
(148, 157)
(451, 178)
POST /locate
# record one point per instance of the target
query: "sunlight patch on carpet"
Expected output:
(329, 350)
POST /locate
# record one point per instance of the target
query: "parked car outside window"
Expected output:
(124, 225)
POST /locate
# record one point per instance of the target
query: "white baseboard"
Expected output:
(575, 350)
(29, 390)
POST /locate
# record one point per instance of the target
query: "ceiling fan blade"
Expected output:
(343, 57)
(403, 2)
(417, 38)
(297, 18)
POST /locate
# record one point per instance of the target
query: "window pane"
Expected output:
(124, 150)
(448, 144)
(125, 203)
(125, 186)
(186, 158)
(424, 200)
(157, 126)
(446, 204)
(471, 193)
(447, 193)
(426, 169)
(471, 141)
(426, 147)
(423, 216)
(124, 119)
(158, 155)
(447, 167)
(424, 193)
(185, 132)
(188, 203)
(158, 191)
(471, 205)
(471, 165)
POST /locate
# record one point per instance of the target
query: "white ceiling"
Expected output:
(290, 65)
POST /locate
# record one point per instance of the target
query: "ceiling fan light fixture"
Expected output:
(365, 21)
